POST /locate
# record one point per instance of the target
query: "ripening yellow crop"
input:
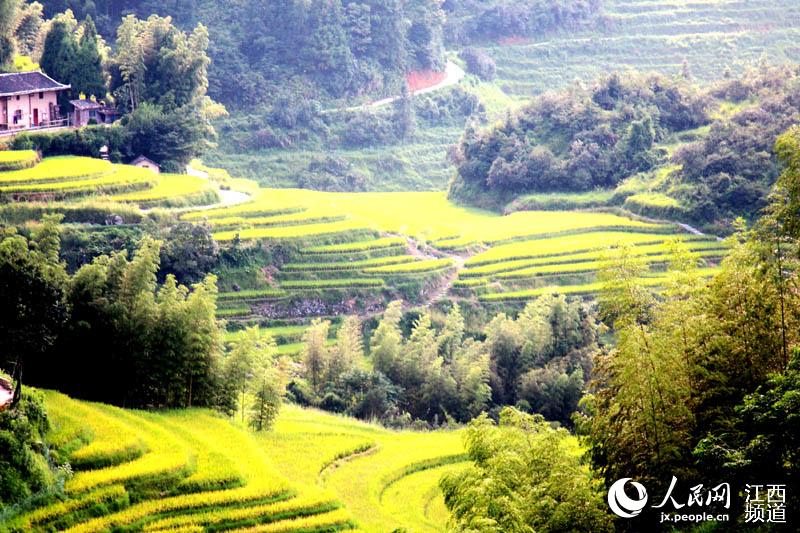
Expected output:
(18, 158)
(169, 186)
(120, 177)
(290, 232)
(304, 441)
(586, 288)
(319, 522)
(427, 216)
(357, 246)
(109, 437)
(408, 268)
(201, 435)
(315, 502)
(567, 244)
(58, 168)
(166, 456)
(702, 247)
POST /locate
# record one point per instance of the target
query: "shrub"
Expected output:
(479, 63)
(85, 141)
(23, 470)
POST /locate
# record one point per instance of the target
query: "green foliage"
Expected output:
(473, 20)
(74, 61)
(575, 140)
(525, 477)
(171, 138)
(31, 18)
(23, 467)
(8, 18)
(85, 141)
(188, 252)
(32, 281)
(729, 172)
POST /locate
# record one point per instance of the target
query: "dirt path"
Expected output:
(690, 229)
(227, 197)
(447, 283)
(453, 75)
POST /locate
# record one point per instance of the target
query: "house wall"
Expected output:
(26, 105)
(149, 166)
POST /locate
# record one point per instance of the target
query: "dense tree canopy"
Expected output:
(259, 50)
(131, 341)
(575, 140)
(703, 377)
(523, 478)
(479, 20)
(72, 56)
(729, 172)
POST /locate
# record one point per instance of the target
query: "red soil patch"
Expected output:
(423, 79)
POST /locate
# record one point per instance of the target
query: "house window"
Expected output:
(17, 116)
(41, 96)
(17, 97)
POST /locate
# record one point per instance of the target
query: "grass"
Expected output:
(412, 268)
(578, 289)
(561, 201)
(357, 246)
(345, 283)
(368, 264)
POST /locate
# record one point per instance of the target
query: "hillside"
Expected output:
(345, 245)
(709, 38)
(193, 470)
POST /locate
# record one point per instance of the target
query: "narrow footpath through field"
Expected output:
(444, 287)
(227, 197)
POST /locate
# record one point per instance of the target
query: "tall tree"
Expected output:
(59, 56)
(33, 309)
(31, 18)
(8, 19)
(316, 353)
(88, 76)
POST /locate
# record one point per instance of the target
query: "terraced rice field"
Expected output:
(387, 479)
(375, 246)
(192, 470)
(178, 469)
(655, 35)
(23, 177)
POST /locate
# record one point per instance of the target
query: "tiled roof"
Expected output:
(85, 104)
(27, 82)
(143, 159)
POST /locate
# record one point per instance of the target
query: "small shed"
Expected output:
(85, 110)
(144, 162)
